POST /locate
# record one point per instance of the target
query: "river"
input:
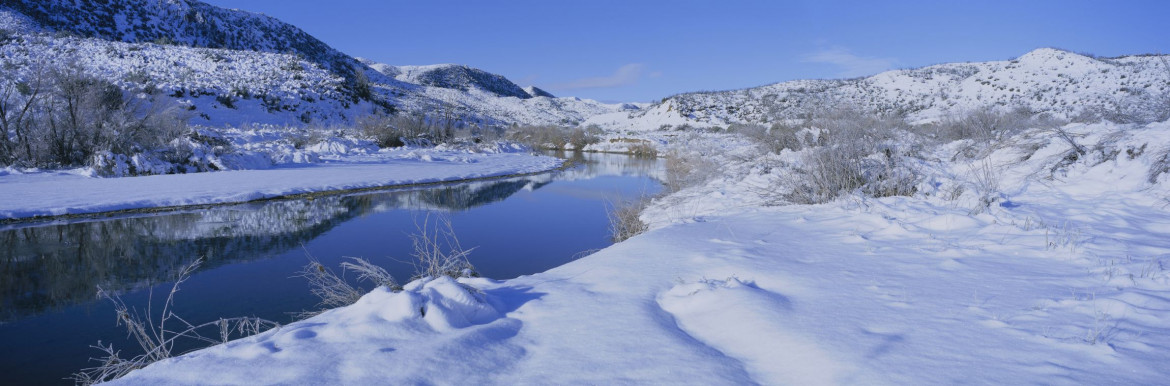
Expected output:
(251, 253)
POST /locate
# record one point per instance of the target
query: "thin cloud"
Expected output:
(527, 80)
(624, 76)
(851, 65)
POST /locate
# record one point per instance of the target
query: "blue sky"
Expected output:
(646, 50)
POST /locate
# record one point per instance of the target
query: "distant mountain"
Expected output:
(536, 92)
(460, 77)
(1058, 82)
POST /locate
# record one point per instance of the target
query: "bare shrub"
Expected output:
(985, 181)
(370, 272)
(437, 251)
(157, 339)
(387, 131)
(787, 136)
(986, 124)
(775, 138)
(643, 150)
(553, 137)
(889, 177)
(1142, 106)
(624, 219)
(1159, 167)
(827, 172)
(581, 137)
(444, 125)
(333, 290)
(330, 287)
(18, 113)
(538, 137)
(853, 152)
(687, 168)
(1064, 135)
(756, 132)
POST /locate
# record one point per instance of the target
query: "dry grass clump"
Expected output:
(437, 251)
(157, 337)
(624, 219)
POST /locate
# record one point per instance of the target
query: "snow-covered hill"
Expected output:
(1062, 83)
(260, 69)
(537, 92)
(275, 71)
(280, 74)
(184, 22)
(480, 95)
(459, 77)
(218, 86)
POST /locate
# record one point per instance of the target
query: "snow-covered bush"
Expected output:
(63, 117)
(846, 151)
(986, 124)
(384, 130)
(554, 137)
(776, 138)
(625, 219)
(643, 149)
(688, 167)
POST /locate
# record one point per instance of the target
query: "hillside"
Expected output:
(459, 77)
(183, 22)
(193, 51)
(1062, 83)
(122, 39)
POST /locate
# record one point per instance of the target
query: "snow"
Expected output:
(1062, 280)
(56, 193)
(1062, 83)
(1057, 275)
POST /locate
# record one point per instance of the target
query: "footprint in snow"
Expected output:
(746, 323)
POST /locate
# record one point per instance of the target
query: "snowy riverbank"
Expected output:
(775, 296)
(1062, 279)
(61, 193)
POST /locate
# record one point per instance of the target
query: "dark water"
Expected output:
(49, 273)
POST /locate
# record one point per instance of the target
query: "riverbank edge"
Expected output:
(565, 164)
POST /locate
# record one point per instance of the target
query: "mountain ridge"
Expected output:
(1045, 80)
(139, 32)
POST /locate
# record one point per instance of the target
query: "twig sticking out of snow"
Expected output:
(157, 340)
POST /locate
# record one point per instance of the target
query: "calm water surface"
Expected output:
(49, 273)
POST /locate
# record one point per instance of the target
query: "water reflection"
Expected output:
(50, 266)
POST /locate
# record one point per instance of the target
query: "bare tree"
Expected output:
(63, 117)
(17, 102)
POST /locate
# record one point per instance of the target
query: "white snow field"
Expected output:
(43, 193)
(1061, 280)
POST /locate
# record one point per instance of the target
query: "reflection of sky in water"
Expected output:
(48, 272)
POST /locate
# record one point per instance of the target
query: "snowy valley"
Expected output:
(997, 222)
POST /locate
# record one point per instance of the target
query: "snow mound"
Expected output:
(401, 332)
(446, 304)
(732, 316)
